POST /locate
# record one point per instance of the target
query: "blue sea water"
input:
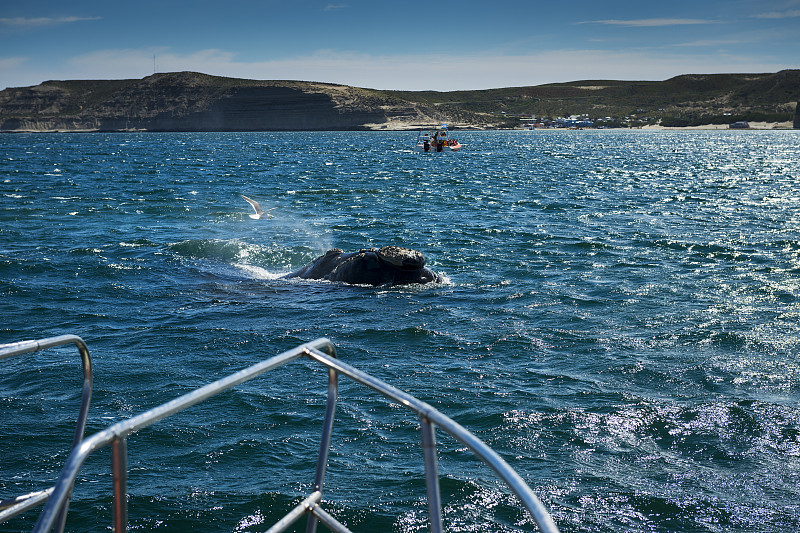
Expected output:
(619, 320)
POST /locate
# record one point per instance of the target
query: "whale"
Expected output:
(390, 265)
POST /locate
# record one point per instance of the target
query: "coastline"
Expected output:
(414, 126)
(192, 101)
(753, 126)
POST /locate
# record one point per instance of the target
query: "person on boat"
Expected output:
(426, 142)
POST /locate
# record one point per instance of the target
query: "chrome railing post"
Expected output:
(61, 519)
(18, 348)
(431, 475)
(86, 395)
(23, 347)
(455, 430)
(325, 441)
(119, 480)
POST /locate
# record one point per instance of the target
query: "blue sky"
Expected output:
(444, 45)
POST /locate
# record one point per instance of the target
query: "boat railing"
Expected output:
(323, 352)
(12, 507)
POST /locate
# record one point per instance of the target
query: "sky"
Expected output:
(429, 45)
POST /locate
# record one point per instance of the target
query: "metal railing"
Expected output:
(11, 507)
(323, 352)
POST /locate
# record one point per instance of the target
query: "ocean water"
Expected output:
(619, 320)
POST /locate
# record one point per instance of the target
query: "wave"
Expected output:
(257, 258)
(227, 250)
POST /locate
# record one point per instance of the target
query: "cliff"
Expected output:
(797, 116)
(189, 101)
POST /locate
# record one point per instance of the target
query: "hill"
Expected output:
(685, 100)
(190, 101)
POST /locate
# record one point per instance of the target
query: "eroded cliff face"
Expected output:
(187, 101)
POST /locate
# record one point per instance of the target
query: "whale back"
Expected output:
(402, 258)
(390, 265)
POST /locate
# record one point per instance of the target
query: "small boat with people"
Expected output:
(436, 140)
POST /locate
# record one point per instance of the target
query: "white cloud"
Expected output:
(791, 13)
(11, 62)
(402, 72)
(39, 22)
(443, 72)
(651, 22)
(712, 42)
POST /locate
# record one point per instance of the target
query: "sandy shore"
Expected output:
(402, 125)
(753, 126)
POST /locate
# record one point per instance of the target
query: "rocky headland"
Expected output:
(190, 101)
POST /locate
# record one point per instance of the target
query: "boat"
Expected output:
(436, 140)
(56, 498)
